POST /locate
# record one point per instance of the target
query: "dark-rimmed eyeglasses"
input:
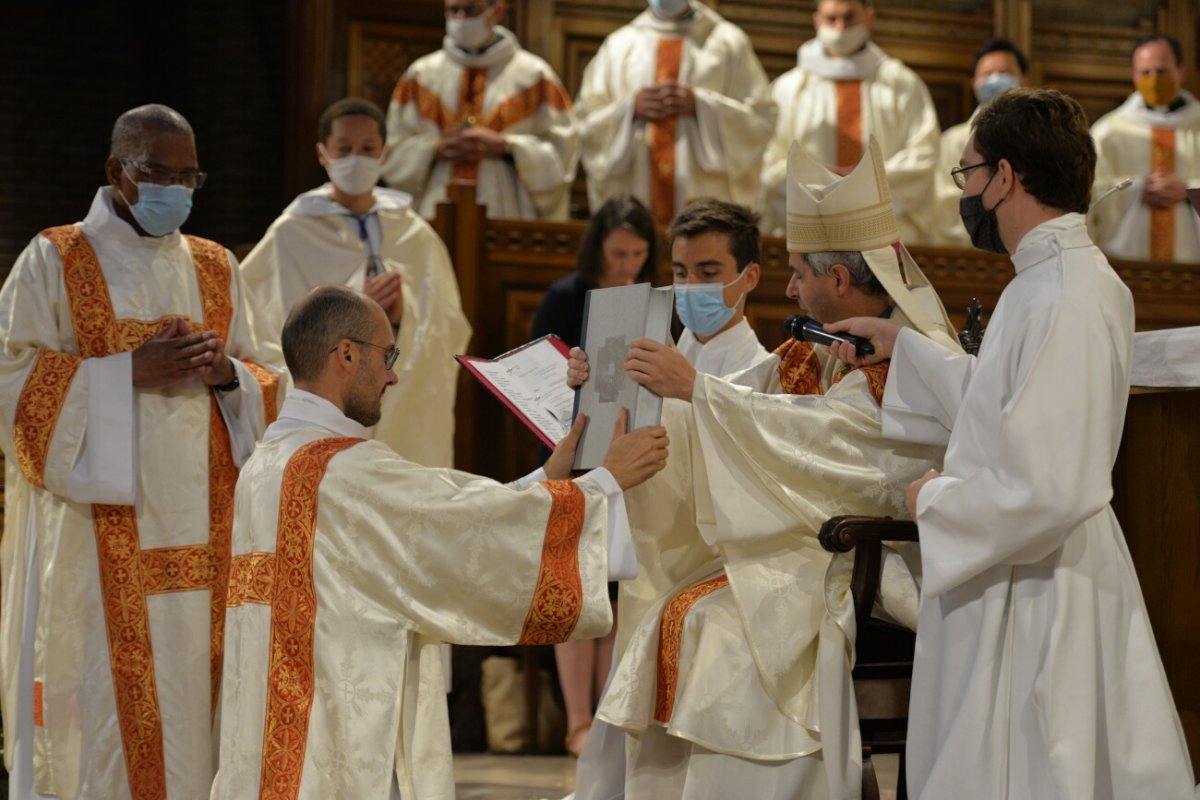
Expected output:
(155, 173)
(390, 354)
(958, 174)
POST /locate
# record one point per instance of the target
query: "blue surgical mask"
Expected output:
(994, 85)
(668, 9)
(701, 306)
(160, 209)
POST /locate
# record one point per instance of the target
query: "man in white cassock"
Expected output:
(843, 91)
(352, 232)
(350, 564)
(129, 400)
(675, 106)
(1036, 673)
(1153, 138)
(483, 109)
(715, 264)
(999, 66)
(736, 637)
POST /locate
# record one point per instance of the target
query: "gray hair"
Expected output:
(316, 323)
(860, 272)
(128, 135)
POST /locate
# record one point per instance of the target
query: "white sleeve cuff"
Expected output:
(106, 468)
(622, 560)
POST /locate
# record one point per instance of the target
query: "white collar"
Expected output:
(103, 221)
(1134, 108)
(858, 66)
(730, 337)
(319, 202)
(309, 409)
(1066, 232)
(702, 20)
(498, 53)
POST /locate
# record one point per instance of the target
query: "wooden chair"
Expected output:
(882, 672)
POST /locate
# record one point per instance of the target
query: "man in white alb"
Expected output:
(1036, 671)
(1153, 139)
(675, 106)
(843, 91)
(352, 232)
(483, 109)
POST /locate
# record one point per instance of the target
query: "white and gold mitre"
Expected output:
(827, 213)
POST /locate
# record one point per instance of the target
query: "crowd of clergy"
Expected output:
(235, 546)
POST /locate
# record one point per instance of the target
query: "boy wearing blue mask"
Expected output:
(732, 677)
(999, 66)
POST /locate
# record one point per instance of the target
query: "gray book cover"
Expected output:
(612, 320)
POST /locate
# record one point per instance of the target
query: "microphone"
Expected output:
(799, 326)
(1120, 185)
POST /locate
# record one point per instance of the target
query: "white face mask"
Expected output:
(354, 175)
(668, 9)
(843, 42)
(470, 33)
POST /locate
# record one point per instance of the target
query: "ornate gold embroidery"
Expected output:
(42, 399)
(876, 377)
(662, 135)
(670, 635)
(268, 381)
(177, 569)
(558, 597)
(799, 369)
(251, 579)
(293, 619)
(429, 105)
(127, 574)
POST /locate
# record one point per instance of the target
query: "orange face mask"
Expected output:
(1157, 90)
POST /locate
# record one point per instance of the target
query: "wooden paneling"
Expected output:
(379, 52)
(1156, 496)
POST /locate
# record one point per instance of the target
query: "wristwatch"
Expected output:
(228, 387)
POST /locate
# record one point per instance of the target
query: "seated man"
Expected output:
(351, 563)
(352, 232)
(732, 582)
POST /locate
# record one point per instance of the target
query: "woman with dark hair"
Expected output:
(619, 248)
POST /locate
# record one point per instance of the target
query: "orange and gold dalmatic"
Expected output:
(1162, 220)
(129, 574)
(558, 596)
(849, 122)
(472, 92)
(670, 637)
(662, 135)
(291, 674)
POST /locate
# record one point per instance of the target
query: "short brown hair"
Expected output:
(707, 215)
(350, 107)
(1043, 134)
(317, 322)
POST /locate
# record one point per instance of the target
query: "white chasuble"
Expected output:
(1036, 674)
(350, 565)
(119, 505)
(504, 88)
(316, 241)
(717, 153)
(1132, 142)
(894, 106)
(737, 635)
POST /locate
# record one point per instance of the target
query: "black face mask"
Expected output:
(981, 223)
